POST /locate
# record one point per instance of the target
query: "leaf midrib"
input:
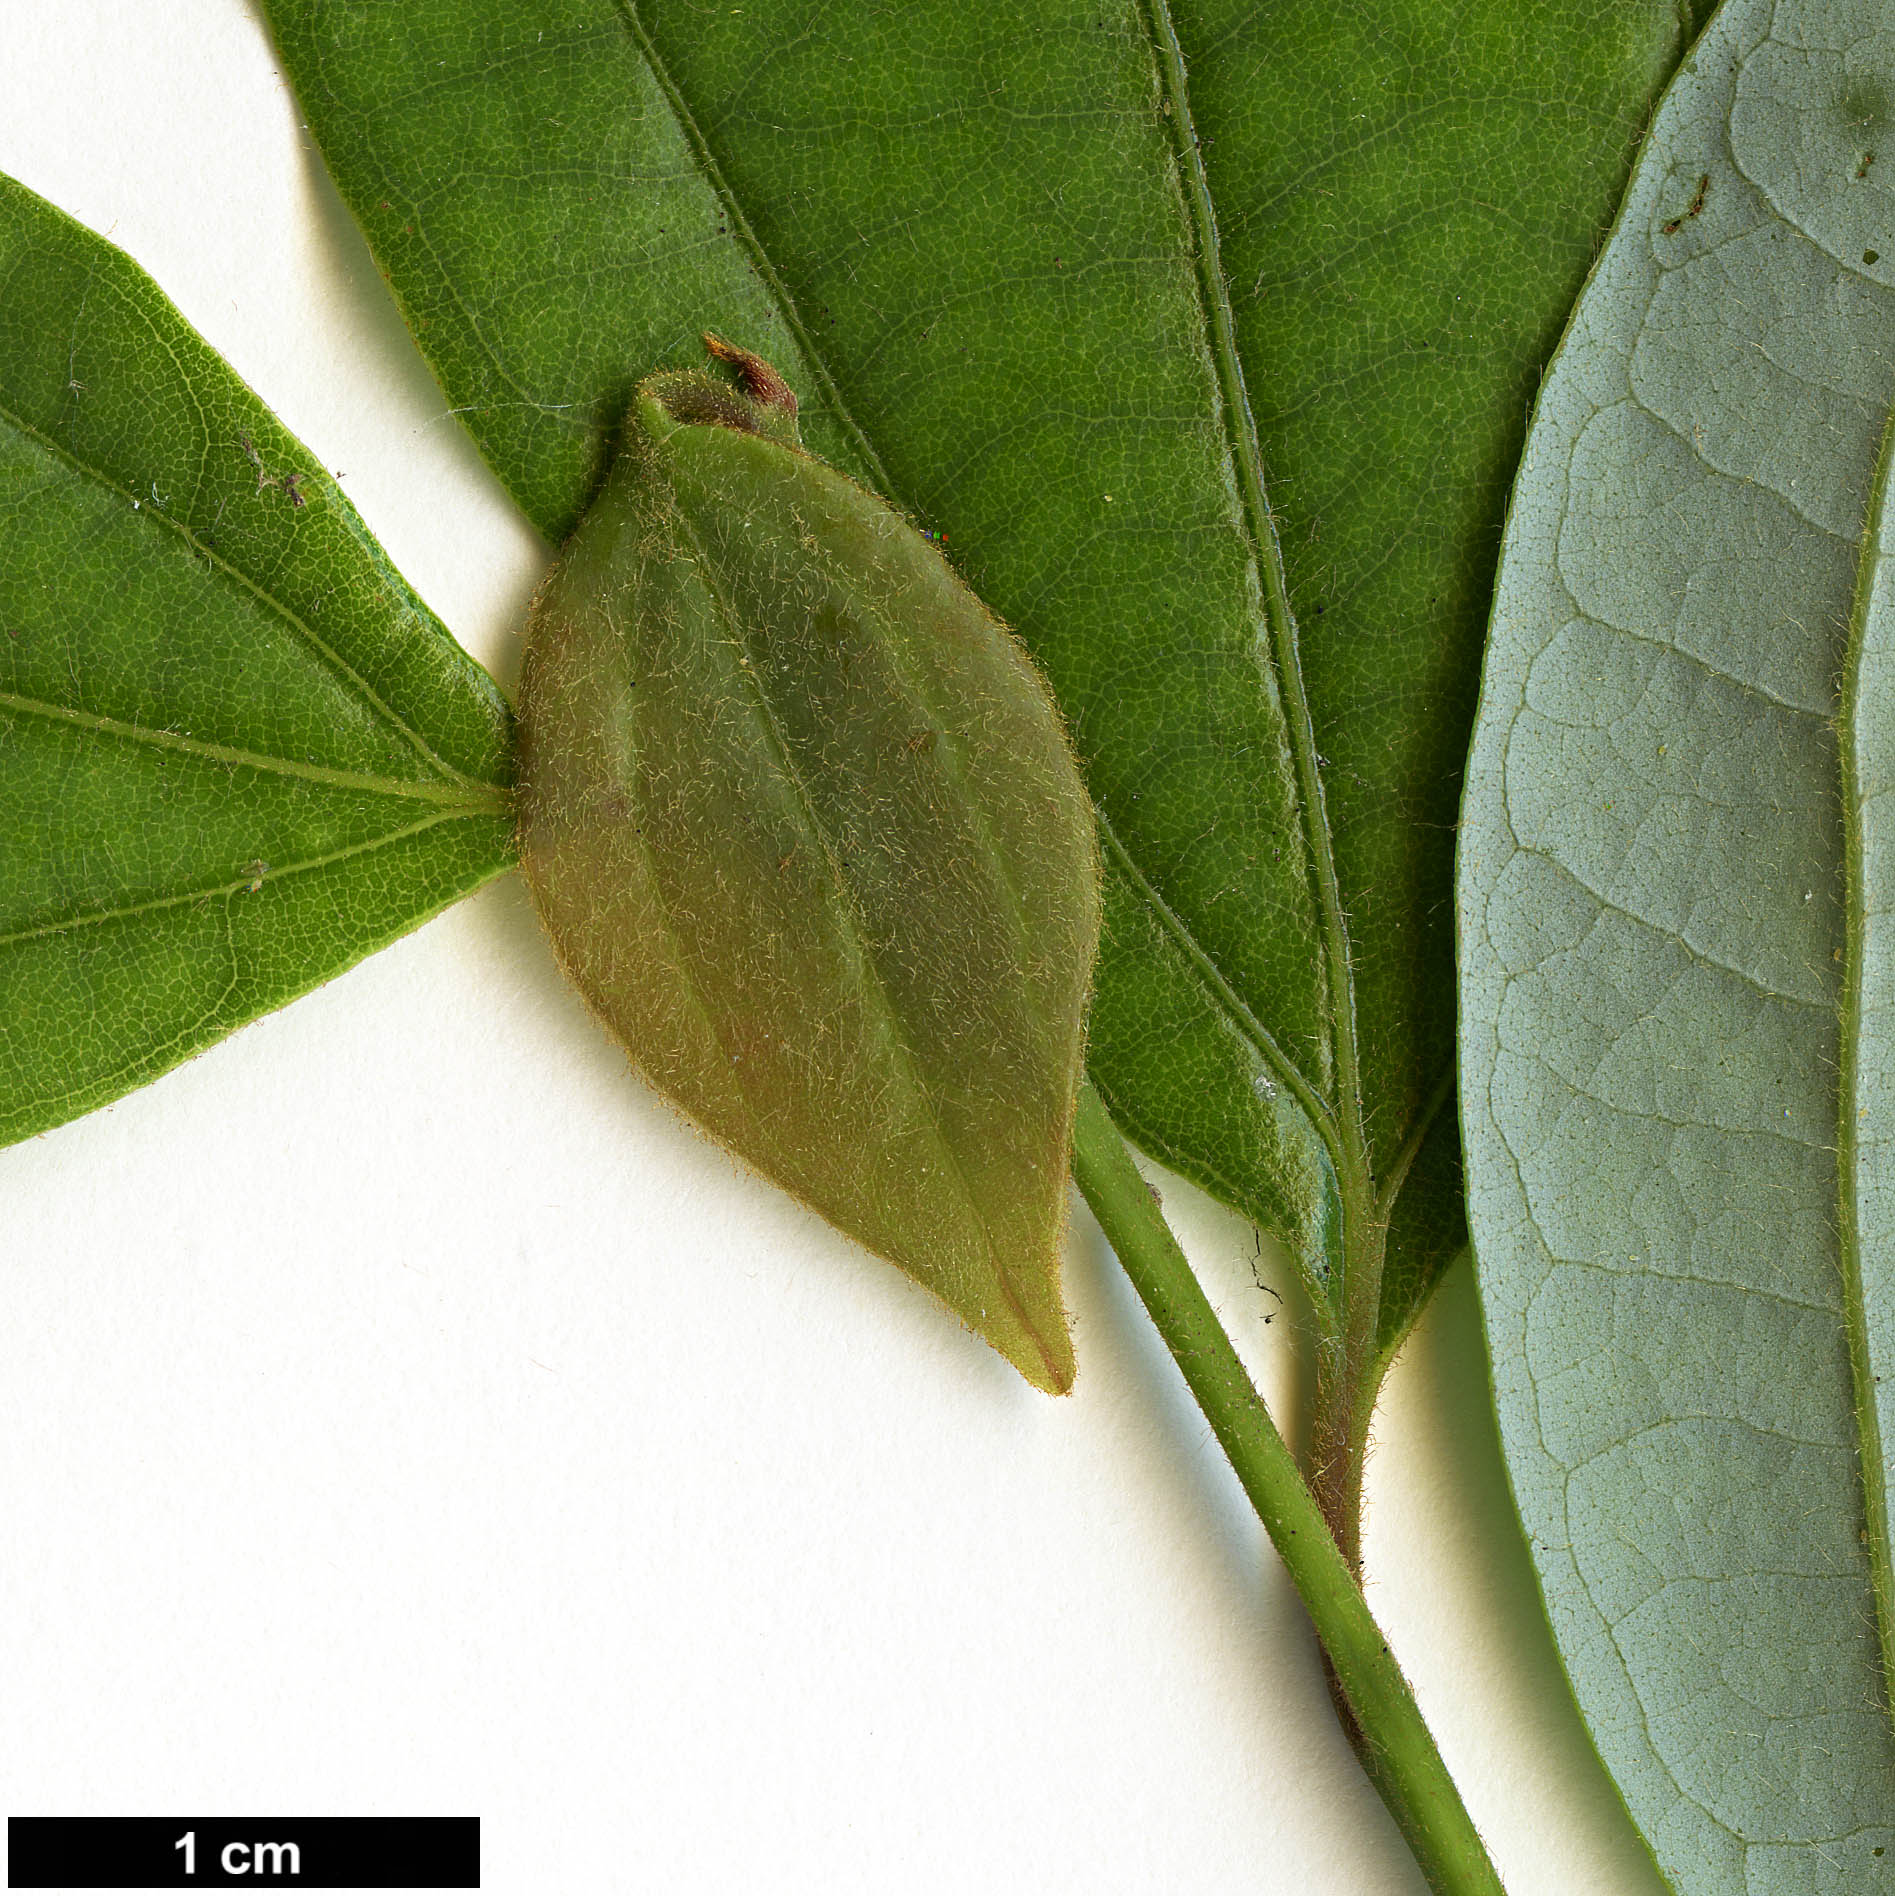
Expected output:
(1240, 426)
(473, 800)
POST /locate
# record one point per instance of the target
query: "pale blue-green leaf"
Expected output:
(1654, 905)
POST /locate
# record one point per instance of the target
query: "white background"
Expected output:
(401, 1412)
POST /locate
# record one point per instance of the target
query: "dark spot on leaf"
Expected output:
(1674, 225)
(1871, 256)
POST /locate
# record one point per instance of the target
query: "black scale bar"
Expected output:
(251, 1852)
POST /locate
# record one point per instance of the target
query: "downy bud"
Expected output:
(802, 821)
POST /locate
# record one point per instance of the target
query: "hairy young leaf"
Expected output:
(236, 753)
(985, 245)
(801, 820)
(1669, 960)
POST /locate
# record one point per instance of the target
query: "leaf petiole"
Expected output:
(1397, 1748)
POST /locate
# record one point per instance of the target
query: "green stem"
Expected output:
(1346, 1382)
(1397, 1747)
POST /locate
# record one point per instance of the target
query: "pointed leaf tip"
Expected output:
(803, 824)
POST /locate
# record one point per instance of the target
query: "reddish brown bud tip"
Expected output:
(760, 381)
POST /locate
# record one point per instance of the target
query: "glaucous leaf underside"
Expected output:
(1676, 1085)
(803, 824)
(237, 754)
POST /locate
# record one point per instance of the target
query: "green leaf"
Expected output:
(1408, 198)
(236, 753)
(806, 832)
(1670, 957)
(983, 248)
